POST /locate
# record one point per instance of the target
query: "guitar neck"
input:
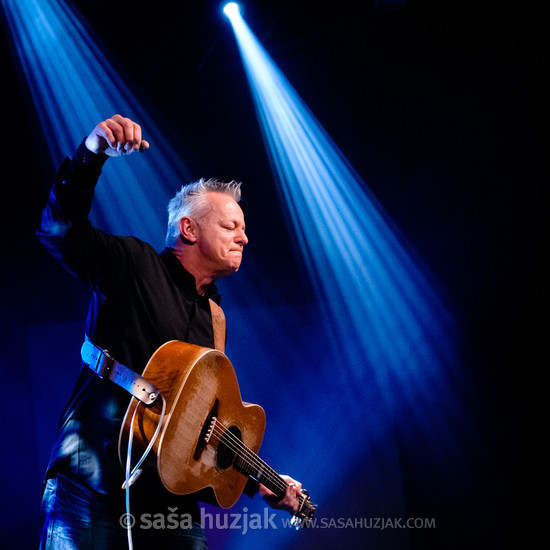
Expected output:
(253, 466)
(249, 463)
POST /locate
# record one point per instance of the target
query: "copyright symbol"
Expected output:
(127, 521)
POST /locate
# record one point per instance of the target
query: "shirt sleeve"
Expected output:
(65, 231)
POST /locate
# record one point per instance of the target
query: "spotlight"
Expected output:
(231, 10)
(372, 291)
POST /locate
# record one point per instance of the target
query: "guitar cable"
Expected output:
(131, 476)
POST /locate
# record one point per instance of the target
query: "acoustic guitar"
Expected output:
(209, 438)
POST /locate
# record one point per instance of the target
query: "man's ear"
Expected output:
(188, 230)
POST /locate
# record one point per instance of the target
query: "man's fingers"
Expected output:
(136, 142)
(102, 130)
(121, 129)
(121, 136)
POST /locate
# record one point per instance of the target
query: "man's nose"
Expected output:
(242, 238)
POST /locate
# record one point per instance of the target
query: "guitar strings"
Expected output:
(248, 456)
(219, 430)
(236, 445)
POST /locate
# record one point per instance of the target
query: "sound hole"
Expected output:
(227, 447)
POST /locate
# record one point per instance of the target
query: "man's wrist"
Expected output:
(84, 156)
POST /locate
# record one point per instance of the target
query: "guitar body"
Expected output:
(198, 385)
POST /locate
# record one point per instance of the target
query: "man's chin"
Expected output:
(229, 270)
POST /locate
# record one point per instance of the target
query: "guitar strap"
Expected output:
(218, 323)
(105, 366)
(108, 367)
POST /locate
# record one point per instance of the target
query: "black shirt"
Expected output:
(140, 300)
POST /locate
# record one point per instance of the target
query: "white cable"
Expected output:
(131, 476)
(128, 522)
(136, 472)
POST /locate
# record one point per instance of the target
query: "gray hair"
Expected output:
(191, 201)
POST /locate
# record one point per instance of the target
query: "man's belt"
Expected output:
(109, 368)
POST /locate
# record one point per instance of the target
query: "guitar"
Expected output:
(209, 438)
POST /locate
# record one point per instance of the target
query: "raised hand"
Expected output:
(116, 136)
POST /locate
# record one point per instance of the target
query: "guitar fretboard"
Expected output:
(249, 463)
(256, 468)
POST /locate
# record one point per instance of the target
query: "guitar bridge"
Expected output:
(210, 430)
(206, 432)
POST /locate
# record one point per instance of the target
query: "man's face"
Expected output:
(221, 235)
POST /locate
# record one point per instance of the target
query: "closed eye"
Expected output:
(232, 226)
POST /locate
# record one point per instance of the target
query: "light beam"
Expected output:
(73, 87)
(392, 359)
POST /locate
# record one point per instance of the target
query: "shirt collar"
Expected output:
(184, 279)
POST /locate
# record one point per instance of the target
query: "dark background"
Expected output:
(439, 106)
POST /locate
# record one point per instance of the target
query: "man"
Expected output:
(141, 299)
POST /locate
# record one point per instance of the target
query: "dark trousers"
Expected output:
(73, 517)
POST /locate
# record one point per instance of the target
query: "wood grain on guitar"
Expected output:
(209, 440)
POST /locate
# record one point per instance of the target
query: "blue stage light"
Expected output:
(390, 376)
(73, 87)
(232, 10)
